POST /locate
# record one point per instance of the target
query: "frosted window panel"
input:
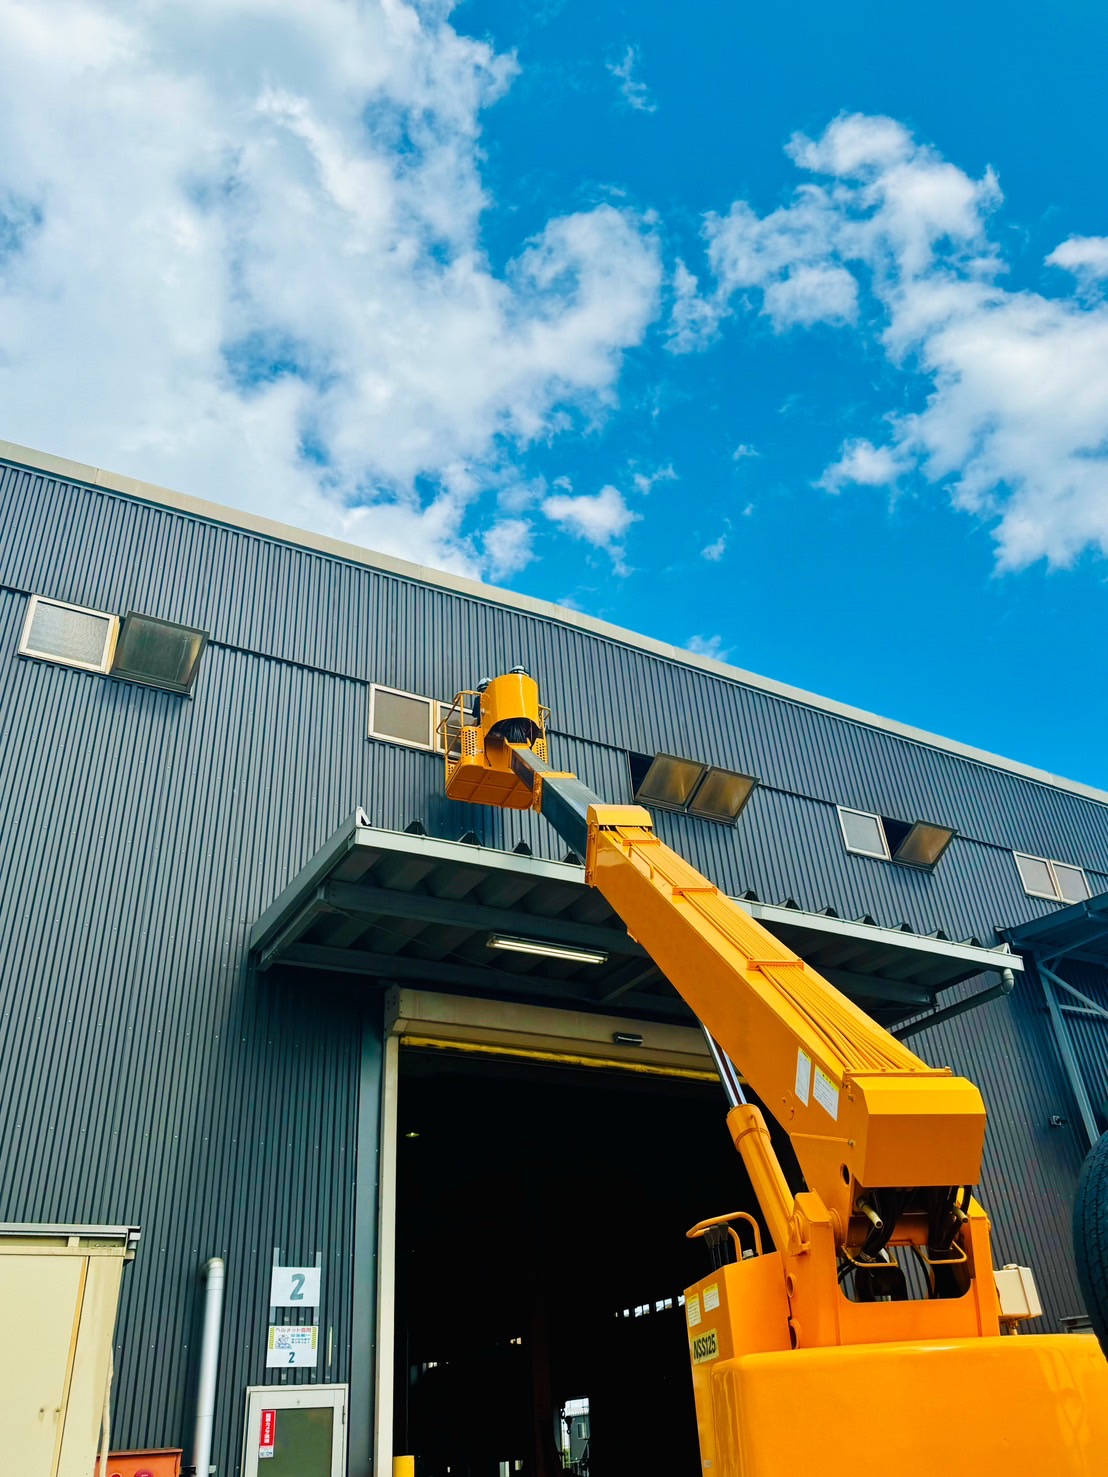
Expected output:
(1071, 883)
(398, 716)
(158, 653)
(863, 832)
(1036, 876)
(68, 635)
(670, 781)
(924, 844)
(722, 794)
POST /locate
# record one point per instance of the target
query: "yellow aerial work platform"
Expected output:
(875, 1332)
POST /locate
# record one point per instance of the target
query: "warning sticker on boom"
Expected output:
(711, 1297)
(803, 1076)
(692, 1309)
(705, 1346)
(827, 1094)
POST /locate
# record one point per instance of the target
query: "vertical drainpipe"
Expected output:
(214, 1274)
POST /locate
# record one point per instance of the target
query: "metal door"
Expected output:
(295, 1431)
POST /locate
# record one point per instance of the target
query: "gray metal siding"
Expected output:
(1088, 1033)
(111, 552)
(1030, 1169)
(147, 1077)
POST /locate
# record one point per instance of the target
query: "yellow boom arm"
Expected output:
(889, 1148)
(862, 1111)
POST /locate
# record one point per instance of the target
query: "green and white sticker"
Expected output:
(826, 1093)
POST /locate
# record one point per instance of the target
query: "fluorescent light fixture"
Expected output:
(670, 781)
(545, 950)
(924, 844)
(721, 794)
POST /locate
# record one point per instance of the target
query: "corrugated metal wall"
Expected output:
(302, 607)
(1088, 1032)
(1030, 1169)
(147, 1076)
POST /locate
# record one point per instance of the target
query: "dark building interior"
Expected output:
(541, 1256)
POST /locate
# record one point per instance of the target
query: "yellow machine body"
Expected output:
(998, 1406)
(783, 1360)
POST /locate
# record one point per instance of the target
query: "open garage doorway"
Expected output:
(540, 1262)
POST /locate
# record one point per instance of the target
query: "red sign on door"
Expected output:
(268, 1433)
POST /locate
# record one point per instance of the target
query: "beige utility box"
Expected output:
(59, 1291)
(1017, 1294)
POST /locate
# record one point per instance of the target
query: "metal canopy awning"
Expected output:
(1076, 933)
(893, 972)
(412, 908)
(1079, 931)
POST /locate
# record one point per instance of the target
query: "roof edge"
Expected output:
(103, 480)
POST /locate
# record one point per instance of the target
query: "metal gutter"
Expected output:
(194, 507)
(959, 1007)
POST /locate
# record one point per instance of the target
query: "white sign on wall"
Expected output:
(292, 1346)
(294, 1287)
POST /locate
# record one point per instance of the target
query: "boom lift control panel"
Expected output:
(875, 1330)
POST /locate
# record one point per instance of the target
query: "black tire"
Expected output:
(1090, 1238)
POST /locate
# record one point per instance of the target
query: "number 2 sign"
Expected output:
(294, 1287)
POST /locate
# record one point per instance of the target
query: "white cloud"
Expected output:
(633, 90)
(864, 465)
(853, 144)
(507, 546)
(1086, 256)
(240, 254)
(600, 519)
(811, 294)
(787, 254)
(711, 646)
(694, 319)
(742, 451)
(644, 481)
(715, 551)
(1014, 419)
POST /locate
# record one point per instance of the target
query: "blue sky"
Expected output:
(780, 335)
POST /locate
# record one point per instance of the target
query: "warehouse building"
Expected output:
(269, 996)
